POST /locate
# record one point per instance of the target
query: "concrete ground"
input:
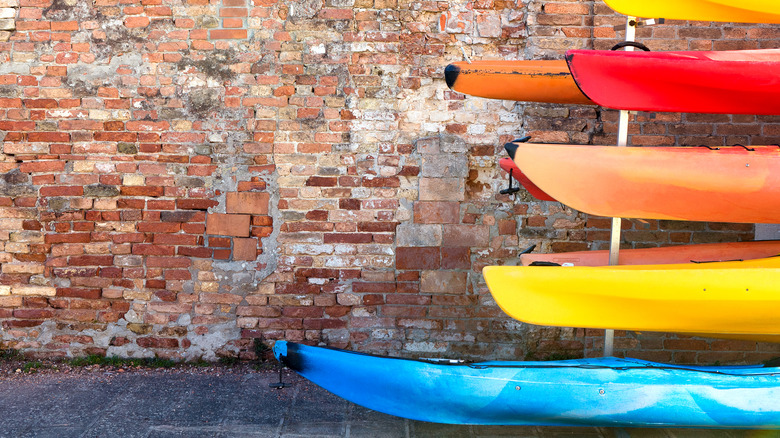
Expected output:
(177, 403)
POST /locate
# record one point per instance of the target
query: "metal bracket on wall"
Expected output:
(640, 23)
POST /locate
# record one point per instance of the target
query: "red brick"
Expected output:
(141, 191)
(417, 258)
(158, 227)
(89, 294)
(156, 249)
(391, 181)
(377, 227)
(244, 249)
(232, 23)
(348, 238)
(227, 224)
(129, 137)
(40, 103)
(507, 227)
(322, 181)
(62, 191)
(33, 313)
(302, 312)
(232, 12)
(349, 204)
(154, 342)
(10, 102)
(436, 212)
(178, 274)
(91, 260)
(465, 235)
(247, 186)
(132, 22)
(195, 204)
(20, 323)
(455, 257)
(198, 252)
(42, 166)
(255, 203)
(219, 242)
(68, 238)
(221, 34)
(362, 287)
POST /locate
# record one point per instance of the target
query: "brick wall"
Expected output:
(8, 10)
(182, 178)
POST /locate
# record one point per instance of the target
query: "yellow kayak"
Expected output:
(730, 298)
(745, 11)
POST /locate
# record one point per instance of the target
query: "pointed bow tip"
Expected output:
(451, 73)
(290, 354)
(280, 349)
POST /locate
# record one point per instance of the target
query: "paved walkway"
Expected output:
(233, 404)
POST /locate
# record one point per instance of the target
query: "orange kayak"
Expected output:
(666, 255)
(524, 81)
(728, 184)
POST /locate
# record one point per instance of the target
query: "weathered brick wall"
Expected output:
(181, 178)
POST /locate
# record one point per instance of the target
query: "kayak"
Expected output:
(729, 82)
(581, 392)
(509, 166)
(728, 184)
(525, 81)
(701, 253)
(732, 298)
(748, 11)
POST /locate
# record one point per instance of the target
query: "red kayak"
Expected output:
(726, 82)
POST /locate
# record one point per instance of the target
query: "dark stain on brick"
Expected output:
(216, 65)
(204, 101)
(101, 190)
(177, 216)
(14, 184)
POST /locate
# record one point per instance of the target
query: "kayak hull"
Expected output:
(749, 11)
(732, 298)
(729, 184)
(525, 81)
(701, 253)
(508, 165)
(585, 392)
(727, 82)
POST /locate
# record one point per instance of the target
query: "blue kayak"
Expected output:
(583, 392)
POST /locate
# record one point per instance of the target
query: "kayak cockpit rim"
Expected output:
(616, 363)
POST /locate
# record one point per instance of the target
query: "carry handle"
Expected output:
(635, 44)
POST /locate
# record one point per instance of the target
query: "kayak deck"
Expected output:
(727, 82)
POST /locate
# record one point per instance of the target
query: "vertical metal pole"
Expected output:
(614, 244)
